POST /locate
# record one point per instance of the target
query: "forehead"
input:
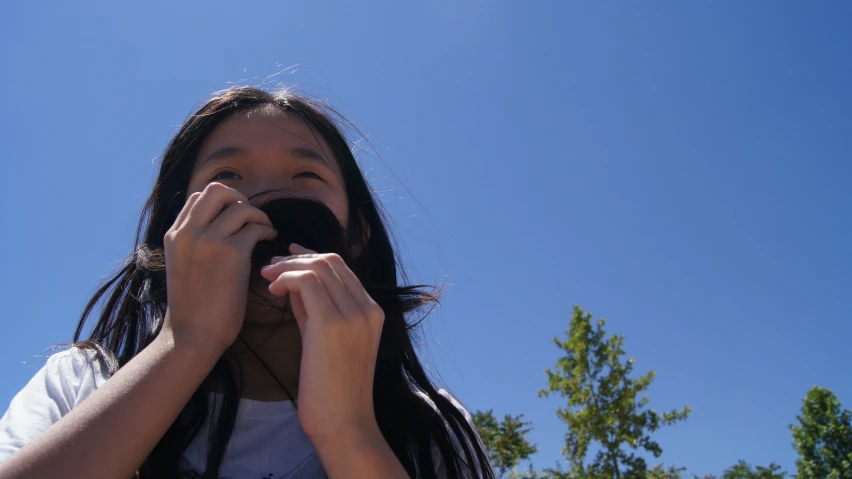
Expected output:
(266, 131)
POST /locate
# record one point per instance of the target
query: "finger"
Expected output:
(235, 216)
(279, 264)
(356, 288)
(184, 212)
(315, 298)
(308, 254)
(252, 233)
(325, 267)
(211, 202)
(353, 284)
(300, 251)
(296, 248)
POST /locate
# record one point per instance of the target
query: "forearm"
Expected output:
(363, 454)
(112, 431)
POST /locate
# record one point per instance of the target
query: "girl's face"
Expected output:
(266, 155)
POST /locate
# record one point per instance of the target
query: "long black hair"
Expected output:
(133, 305)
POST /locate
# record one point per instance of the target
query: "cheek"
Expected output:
(194, 185)
(339, 205)
(341, 210)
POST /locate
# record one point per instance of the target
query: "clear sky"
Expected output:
(683, 169)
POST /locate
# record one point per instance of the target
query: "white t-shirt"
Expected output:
(267, 443)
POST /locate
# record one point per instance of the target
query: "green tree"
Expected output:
(823, 437)
(506, 441)
(603, 406)
(660, 472)
(744, 470)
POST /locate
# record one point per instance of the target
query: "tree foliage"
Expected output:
(606, 414)
(604, 407)
(506, 441)
(823, 437)
(661, 472)
(744, 470)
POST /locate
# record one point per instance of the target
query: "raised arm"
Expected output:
(208, 260)
(112, 431)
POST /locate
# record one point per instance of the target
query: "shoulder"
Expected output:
(78, 372)
(74, 360)
(66, 378)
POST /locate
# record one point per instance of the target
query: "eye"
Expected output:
(223, 172)
(309, 174)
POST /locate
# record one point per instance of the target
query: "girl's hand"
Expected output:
(341, 326)
(208, 260)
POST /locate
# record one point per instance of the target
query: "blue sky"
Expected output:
(683, 169)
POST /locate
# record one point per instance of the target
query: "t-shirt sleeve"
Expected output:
(65, 380)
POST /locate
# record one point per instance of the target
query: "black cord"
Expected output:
(265, 366)
(257, 356)
(261, 361)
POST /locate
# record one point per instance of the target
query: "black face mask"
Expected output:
(306, 222)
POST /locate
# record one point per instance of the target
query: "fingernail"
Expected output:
(301, 248)
(276, 259)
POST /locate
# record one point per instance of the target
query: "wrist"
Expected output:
(185, 336)
(188, 347)
(360, 452)
(349, 437)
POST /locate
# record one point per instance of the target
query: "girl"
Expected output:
(203, 364)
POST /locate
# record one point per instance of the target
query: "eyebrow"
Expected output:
(232, 151)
